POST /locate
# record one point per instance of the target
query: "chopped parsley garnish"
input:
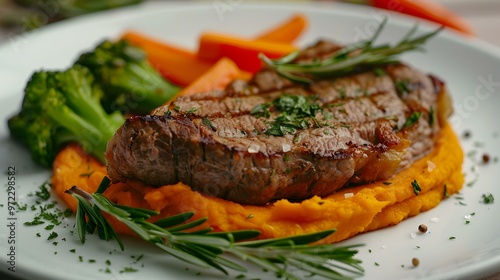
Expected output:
(34, 222)
(416, 187)
(431, 116)
(412, 119)
(342, 93)
(379, 72)
(488, 198)
(261, 110)
(44, 193)
(297, 112)
(192, 110)
(403, 87)
(52, 235)
(128, 269)
(208, 123)
(88, 174)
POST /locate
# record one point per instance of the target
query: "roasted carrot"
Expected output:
(287, 31)
(175, 63)
(217, 77)
(426, 9)
(182, 66)
(148, 43)
(244, 52)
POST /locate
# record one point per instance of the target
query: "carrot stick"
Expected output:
(148, 43)
(178, 69)
(244, 52)
(217, 77)
(426, 9)
(285, 32)
(182, 66)
(176, 64)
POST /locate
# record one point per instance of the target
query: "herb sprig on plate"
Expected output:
(208, 249)
(349, 58)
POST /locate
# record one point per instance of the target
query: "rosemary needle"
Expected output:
(349, 58)
(211, 250)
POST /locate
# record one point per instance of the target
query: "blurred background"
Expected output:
(17, 16)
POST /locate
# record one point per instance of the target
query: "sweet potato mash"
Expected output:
(351, 211)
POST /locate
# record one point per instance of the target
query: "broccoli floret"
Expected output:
(63, 107)
(131, 84)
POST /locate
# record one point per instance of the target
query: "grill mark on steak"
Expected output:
(363, 142)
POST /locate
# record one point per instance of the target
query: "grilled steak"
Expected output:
(365, 127)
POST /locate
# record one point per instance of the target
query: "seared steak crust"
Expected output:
(212, 142)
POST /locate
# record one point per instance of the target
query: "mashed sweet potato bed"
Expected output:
(351, 211)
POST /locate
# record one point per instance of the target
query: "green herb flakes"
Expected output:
(379, 72)
(296, 113)
(488, 198)
(416, 187)
(192, 110)
(128, 269)
(208, 123)
(43, 192)
(403, 87)
(52, 235)
(432, 116)
(412, 119)
(34, 222)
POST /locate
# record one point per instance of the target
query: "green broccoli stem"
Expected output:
(91, 136)
(78, 92)
(145, 87)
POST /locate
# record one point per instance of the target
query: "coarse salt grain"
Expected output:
(468, 216)
(253, 149)
(435, 219)
(413, 235)
(286, 147)
(430, 166)
(347, 195)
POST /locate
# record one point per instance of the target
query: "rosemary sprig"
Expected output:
(349, 58)
(282, 256)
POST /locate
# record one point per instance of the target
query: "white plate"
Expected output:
(466, 66)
